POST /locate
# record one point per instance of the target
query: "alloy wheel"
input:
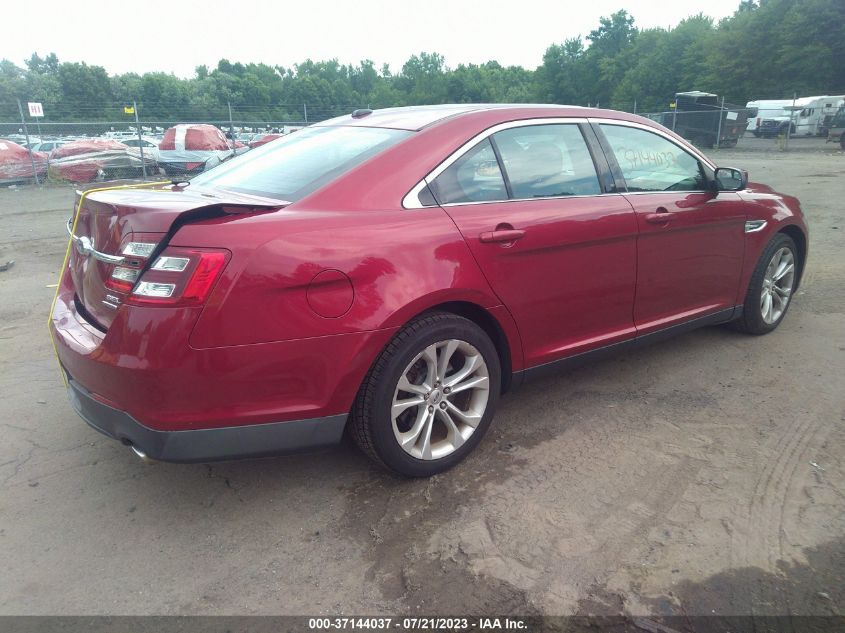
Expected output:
(440, 399)
(777, 285)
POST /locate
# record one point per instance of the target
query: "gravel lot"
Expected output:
(702, 475)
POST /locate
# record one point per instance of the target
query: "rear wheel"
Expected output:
(430, 397)
(771, 287)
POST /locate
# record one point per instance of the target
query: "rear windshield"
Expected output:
(293, 166)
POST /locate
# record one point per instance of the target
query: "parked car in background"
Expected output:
(262, 139)
(16, 165)
(98, 159)
(836, 128)
(148, 144)
(48, 145)
(767, 117)
(189, 149)
(396, 271)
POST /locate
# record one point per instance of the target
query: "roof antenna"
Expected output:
(361, 113)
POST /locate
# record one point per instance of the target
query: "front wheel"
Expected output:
(771, 287)
(430, 397)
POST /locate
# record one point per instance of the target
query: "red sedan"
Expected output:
(394, 272)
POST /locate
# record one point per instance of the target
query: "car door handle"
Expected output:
(506, 235)
(661, 217)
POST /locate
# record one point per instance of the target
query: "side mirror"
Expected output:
(730, 179)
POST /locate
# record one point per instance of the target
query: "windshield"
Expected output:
(294, 166)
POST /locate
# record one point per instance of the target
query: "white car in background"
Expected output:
(48, 146)
(147, 143)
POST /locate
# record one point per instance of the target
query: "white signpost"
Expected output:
(35, 109)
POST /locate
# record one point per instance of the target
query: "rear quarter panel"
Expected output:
(399, 263)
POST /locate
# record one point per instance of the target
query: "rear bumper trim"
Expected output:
(206, 445)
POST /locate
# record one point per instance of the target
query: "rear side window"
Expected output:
(294, 166)
(543, 161)
(474, 177)
(650, 162)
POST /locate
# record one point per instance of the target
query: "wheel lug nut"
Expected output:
(442, 405)
(430, 408)
(447, 390)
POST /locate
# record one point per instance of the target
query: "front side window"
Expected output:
(300, 163)
(650, 162)
(474, 177)
(543, 161)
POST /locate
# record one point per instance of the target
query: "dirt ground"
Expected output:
(703, 475)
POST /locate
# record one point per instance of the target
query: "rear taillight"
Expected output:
(179, 276)
(124, 275)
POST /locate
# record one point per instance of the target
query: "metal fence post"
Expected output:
(231, 125)
(28, 144)
(140, 140)
(789, 127)
(719, 129)
(305, 112)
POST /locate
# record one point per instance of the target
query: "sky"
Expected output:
(179, 35)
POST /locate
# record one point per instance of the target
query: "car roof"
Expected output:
(418, 117)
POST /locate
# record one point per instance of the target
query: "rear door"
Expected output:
(555, 245)
(691, 243)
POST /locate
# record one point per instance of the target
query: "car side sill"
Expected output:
(570, 362)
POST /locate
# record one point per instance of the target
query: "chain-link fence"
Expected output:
(129, 140)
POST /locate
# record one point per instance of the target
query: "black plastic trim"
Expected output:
(206, 445)
(570, 362)
(608, 182)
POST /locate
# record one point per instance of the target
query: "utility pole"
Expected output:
(140, 140)
(305, 112)
(28, 146)
(231, 126)
(789, 127)
(719, 132)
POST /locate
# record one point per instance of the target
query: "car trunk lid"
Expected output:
(118, 231)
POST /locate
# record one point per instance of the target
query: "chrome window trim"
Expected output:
(573, 197)
(411, 199)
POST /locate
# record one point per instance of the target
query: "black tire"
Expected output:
(371, 424)
(752, 321)
(842, 141)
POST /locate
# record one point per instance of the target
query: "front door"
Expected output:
(690, 249)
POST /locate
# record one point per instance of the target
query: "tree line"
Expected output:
(766, 49)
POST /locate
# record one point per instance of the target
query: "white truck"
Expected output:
(768, 117)
(811, 114)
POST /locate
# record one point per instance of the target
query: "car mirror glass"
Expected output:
(730, 179)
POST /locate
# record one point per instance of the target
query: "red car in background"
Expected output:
(263, 139)
(396, 271)
(93, 159)
(189, 149)
(16, 165)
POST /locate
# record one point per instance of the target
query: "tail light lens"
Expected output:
(179, 276)
(124, 276)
